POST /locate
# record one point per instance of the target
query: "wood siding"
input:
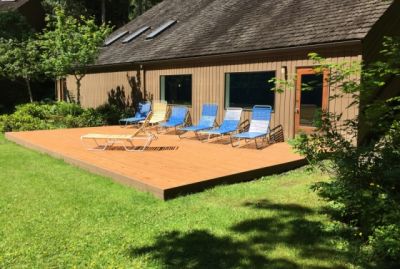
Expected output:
(388, 25)
(208, 80)
(96, 87)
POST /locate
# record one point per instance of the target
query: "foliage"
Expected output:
(49, 116)
(71, 45)
(138, 7)
(384, 244)
(56, 215)
(75, 8)
(13, 25)
(116, 12)
(20, 60)
(365, 188)
(112, 113)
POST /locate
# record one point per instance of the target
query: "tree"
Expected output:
(20, 60)
(14, 26)
(75, 8)
(364, 187)
(140, 6)
(71, 45)
(116, 12)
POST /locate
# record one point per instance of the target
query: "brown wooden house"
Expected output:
(225, 51)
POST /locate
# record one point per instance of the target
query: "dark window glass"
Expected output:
(177, 89)
(311, 100)
(248, 89)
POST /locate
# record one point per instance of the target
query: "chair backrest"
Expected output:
(232, 118)
(260, 119)
(208, 115)
(144, 109)
(159, 111)
(178, 114)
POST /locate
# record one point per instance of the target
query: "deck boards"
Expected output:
(170, 166)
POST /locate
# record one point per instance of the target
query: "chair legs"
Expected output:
(264, 140)
(233, 142)
(111, 142)
(259, 145)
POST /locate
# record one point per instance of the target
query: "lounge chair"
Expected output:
(230, 124)
(110, 140)
(259, 126)
(178, 118)
(207, 120)
(144, 110)
(159, 112)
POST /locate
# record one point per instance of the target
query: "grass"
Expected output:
(53, 215)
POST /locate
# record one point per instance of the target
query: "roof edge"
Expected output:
(123, 66)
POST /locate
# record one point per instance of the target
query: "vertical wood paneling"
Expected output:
(209, 87)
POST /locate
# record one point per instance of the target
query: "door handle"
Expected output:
(297, 110)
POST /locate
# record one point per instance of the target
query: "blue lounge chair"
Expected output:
(141, 114)
(207, 120)
(178, 118)
(230, 124)
(259, 126)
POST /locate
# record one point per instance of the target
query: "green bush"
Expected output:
(364, 190)
(384, 246)
(112, 113)
(65, 109)
(36, 116)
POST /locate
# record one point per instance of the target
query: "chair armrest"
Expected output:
(188, 119)
(276, 134)
(244, 126)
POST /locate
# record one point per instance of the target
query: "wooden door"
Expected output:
(312, 98)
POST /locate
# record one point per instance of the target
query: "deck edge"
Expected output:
(175, 192)
(118, 178)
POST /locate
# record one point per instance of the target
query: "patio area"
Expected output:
(170, 166)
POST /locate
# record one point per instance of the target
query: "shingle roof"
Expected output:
(11, 5)
(211, 27)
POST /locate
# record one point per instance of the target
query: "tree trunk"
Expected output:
(78, 90)
(103, 11)
(139, 7)
(28, 86)
(78, 78)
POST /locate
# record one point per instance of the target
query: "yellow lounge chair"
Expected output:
(159, 112)
(110, 140)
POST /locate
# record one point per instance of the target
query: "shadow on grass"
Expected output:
(259, 237)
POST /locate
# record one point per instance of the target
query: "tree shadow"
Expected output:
(122, 102)
(287, 227)
(291, 227)
(201, 249)
(138, 91)
(117, 97)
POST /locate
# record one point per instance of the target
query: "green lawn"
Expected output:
(53, 215)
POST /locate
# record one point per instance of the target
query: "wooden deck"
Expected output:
(170, 166)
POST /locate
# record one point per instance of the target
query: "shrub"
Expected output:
(112, 113)
(64, 109)
(364, 190)
(34, 116)
(89, 118)
(384, 246)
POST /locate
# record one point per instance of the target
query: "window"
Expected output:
(111, 40)
(248, 89)
(161, 29)
(135, 34)
(177, 90)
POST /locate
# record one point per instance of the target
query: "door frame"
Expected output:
(325, 97)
